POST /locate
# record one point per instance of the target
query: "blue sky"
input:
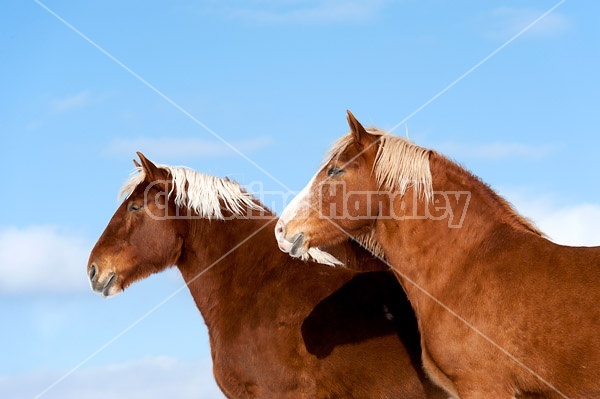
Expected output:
(273, 79)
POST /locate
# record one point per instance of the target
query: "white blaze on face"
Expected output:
(299, 207)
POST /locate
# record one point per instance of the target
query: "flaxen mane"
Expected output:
(400, 164)
(368, 241)
(208, 195)
(204, 194)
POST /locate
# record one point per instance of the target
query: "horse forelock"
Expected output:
(204, 194)
(338, 147)
(136, 178)
(341, 144)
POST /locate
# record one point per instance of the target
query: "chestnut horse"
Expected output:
(502, 311)
(344, 333)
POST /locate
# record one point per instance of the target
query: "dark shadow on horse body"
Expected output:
(371, 304)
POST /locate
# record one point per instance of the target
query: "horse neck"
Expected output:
(223, 262)
(484, 203)
(464, 214)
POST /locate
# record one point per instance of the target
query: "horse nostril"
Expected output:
(93, 271)
(280, 229)
(297, 241)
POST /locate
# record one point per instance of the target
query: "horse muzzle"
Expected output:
(293, 245)
(104, 284)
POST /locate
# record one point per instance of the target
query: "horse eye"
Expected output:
(334, 171)
(134, 207)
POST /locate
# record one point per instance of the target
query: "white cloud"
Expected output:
(505, 22)
(575, 224)
(41, 259)
(307, 11)
(496, 150)
(78, 100)
(148, 378)
(184, 147)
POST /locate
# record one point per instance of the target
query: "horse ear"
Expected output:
(136, 163)
(153, 172)
(361, 136)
